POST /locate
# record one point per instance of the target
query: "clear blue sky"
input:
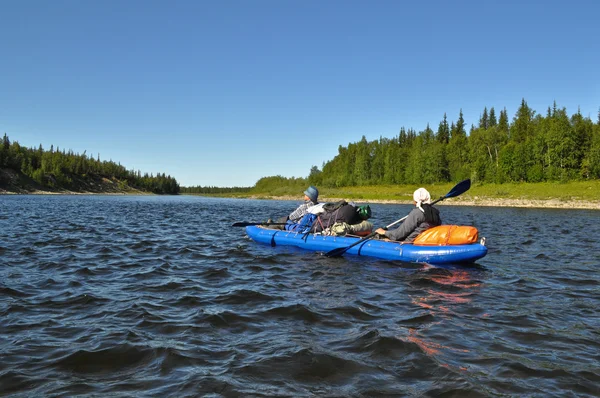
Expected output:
(222, 93)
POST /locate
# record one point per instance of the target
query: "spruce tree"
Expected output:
(503, 121)
(458, 151)
(443, 132)
(492, 119)
(460, 126)
(483, 120)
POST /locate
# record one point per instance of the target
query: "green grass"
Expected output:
(575, 190)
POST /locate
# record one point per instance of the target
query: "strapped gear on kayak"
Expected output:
(339, 212)
(364, 212)
(323, 216)
(447, 235)
(341, 229)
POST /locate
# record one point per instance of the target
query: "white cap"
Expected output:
(421, 195)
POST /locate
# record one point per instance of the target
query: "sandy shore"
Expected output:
(475, 201)
(2, 192)
(551, 203)
(39, 192)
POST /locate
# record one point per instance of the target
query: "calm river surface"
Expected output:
(160, 296)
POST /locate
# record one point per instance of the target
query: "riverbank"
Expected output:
(105, 188)
(565, 195)
(66, 192)
(530, 203)
(466, 201)
(568, 195)
(14, 183)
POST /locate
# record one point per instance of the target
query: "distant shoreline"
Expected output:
(466, 201)
(54, 193)
(470, 201)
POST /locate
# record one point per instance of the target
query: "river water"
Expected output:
(160, 296)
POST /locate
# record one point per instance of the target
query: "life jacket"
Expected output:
(432, 215)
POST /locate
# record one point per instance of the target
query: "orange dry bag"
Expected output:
(447, 235)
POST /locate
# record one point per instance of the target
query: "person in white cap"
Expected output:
(421, 218)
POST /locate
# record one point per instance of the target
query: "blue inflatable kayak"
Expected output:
(435, 255)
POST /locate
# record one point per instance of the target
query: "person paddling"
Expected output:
(421, 218)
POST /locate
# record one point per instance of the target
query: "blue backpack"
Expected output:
(303, 225)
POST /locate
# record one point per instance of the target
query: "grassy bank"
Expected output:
(585, 194)
(586, 191)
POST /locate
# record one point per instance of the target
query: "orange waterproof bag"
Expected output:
(447, 235)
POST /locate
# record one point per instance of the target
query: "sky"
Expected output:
(223, 93)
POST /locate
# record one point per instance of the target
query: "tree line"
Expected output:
(273, 185)
(531, 148)
(213, 190)
(62, 169)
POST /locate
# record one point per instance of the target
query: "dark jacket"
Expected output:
(416, 222)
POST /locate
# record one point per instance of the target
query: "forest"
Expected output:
(58, 169)
(531, 148)
(214, 190)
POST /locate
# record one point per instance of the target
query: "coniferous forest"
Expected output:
(531, 148)
(66, 170)
(200, 190)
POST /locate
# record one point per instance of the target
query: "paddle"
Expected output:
(247, 224)
(458, 189)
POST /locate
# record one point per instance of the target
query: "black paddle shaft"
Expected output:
(247, 224)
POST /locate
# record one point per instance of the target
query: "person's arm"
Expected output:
(410, 224)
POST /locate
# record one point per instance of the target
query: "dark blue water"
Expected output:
(160, 296)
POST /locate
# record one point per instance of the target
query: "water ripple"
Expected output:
(150, 296)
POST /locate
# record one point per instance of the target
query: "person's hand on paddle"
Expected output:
(380, 231)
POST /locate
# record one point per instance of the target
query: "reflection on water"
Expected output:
(447, 289)
(150, 296)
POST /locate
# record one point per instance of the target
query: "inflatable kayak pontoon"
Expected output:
(385, 249)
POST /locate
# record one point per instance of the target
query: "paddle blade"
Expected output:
(459, 188)
(336, 252)
(242, 224)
